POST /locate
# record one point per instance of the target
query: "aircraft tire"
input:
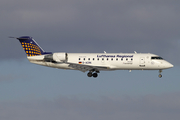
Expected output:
(95, 75)
(160, 76)
(89, 74)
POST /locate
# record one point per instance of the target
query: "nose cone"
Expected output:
(167, 65)
(171, 65)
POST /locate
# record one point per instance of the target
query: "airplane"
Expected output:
(92, 62)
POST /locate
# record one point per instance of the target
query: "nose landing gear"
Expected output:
(160, 76)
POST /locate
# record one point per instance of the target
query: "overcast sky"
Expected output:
(34, 92)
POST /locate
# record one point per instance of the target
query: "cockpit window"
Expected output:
(156, 58)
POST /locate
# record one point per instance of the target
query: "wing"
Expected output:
(84, 68)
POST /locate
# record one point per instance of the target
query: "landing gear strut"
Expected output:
(160, 76)
(90, 73)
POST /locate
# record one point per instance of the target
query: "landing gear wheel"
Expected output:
(160, 76)
(95, 75)
(89, 74)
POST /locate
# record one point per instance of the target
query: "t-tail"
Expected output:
(31, 47)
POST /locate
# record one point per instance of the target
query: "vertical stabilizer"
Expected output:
(30, 46)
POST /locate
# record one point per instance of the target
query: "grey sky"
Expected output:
(93, 26)
(145, 108)
(89, 26)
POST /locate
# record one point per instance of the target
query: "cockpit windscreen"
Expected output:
(156, 58)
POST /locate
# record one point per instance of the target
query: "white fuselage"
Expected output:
(92, 62)
(106, 61)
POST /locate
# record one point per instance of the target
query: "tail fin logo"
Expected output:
(31, 49)
(30, 46)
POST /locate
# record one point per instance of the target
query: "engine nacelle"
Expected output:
(56, 57)
(60, 57)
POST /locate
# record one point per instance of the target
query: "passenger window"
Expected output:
(84, 58)
(107, 58)
(112, 59)
(98, 59)
(102, 58)
(88, 58)
(79, 58)
(131, 59)
(93, 58)
(126, 59)
(121, 59)
(117, 59)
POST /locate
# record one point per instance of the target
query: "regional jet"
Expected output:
(92, 62)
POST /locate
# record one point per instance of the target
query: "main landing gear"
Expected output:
(160, 76)
(91, 74)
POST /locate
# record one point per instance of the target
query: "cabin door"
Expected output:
(142, 62)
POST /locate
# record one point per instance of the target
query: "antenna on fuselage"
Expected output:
(105, 52)
(135, 52)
